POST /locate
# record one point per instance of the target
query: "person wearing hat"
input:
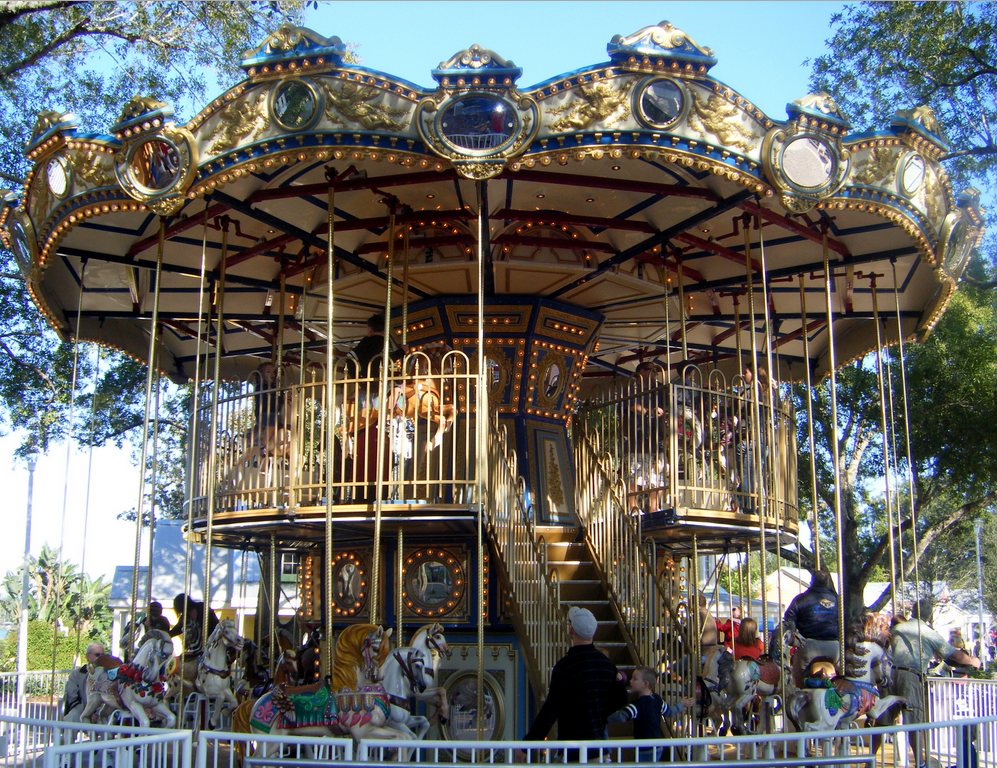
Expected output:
(585, 688)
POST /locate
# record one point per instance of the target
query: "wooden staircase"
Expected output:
(581, 583)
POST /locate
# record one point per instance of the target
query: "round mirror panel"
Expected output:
(155, 165)
(662, 102)
(19, 242)
(430, 583)
(349, 580)
(462, 719)
(493, 374)
(57, 175)
(808, 163)
(956, 247)
(478, 123)
(552, 381)
(912, 176)
(294, 104)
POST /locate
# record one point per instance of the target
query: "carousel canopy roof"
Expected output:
(608, 188)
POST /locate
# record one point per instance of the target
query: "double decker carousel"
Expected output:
(592, 289)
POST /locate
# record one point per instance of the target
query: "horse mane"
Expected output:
(866, 629)
(349, 655)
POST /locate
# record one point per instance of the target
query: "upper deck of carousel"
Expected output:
(596, 188)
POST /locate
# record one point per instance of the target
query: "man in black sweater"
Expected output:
(814, 615)
(585, 688)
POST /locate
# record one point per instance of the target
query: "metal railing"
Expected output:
(242, 750)
(271, 439)
(165, 749)
(691, 446)
(26, 741)
(643, 600)
(42, 692)
(965, 744)
(523, 556)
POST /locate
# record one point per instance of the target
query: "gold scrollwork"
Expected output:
(600, 101)
(138, 106)
(821, 102)
(503, 366)
(876, 167)
(923, 115)
(931, 194)
(664, 35)
(353, 102)
(41, 197)
(555, 488)
(479, 171)
(242, 118)
(88, 167)
(721, 118)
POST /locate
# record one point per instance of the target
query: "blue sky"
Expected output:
(761, 47)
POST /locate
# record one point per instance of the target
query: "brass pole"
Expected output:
(770, 428)
(274, 603)
(682, 315)
(153, 479)
(195, 411)
(828, 286)
(383, 409)
(886, 447)
(330, 411)
(216, 384)
(399, 600)
(140, 506)
(810, 423)
(481, 427)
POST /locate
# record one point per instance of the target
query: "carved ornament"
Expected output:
(719, 117)
(664, 36)
(140, 105)
(878, 166)
(245, 118)
(356, 103)
(88, 167)
(599, 102)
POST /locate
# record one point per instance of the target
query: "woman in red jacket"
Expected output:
(747, 644)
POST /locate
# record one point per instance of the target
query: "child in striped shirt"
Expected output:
(647, 711)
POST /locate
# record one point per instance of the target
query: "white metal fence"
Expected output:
(42, 691)
(25, 742)
(232, 750)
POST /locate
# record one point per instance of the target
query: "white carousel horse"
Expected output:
(137, 687)
(214, 674)
(828, 703)
(711, 696)
(430, 640)
(752, 682)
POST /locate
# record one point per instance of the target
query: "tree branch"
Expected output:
(37, 371)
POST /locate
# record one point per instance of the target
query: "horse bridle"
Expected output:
(431, 640)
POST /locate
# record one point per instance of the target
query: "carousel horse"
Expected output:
(214, 676)
(752, 681)
(138, 687)
(711, 689)
(354, 702)
(826, 703)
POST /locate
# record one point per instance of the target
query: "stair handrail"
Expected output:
(627, 563)
(523, 556)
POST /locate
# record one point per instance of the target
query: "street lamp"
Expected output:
(22, 636)
(979, 571)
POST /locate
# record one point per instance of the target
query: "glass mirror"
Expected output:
(913, 175)
(661, 102)
(155, 165)
(294, 104)
(478, 123)
(552, 381)
(57, 176)
(430, 583)
(808, 162)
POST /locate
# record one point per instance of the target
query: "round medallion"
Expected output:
(57, 176)
(434, 582)
(154, 165)
(294, 105)
(958, 245)
(912, 175)
(808, 162)
(551, 376)
(349, 579)
(21, 246)
(478, 124)
(462, 718)
(661, 103)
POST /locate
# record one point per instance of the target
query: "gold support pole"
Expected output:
(330, 426)
(399, 601)
(828, 286)
(216, 383)
(810, 423)
(153, 479)
(195, 410)
(886, 446)
(274, 603)
(405, 246)
(140, 506)
(382, 423)
(682, 315)
(480, 426)
(770, 428)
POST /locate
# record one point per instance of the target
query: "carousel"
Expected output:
(476, 352)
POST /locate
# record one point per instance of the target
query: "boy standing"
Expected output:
(647, 711)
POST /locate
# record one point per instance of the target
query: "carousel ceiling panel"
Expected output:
(531, 279)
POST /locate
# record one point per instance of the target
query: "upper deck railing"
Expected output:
(264, 446)
(696, 449)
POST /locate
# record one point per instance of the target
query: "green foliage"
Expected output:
(887, 56)
(40, 638)
(59, 594)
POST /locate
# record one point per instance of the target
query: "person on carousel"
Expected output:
(747, 643)
(728, 629)
(74, 700)
(813, 614)
(185, 605)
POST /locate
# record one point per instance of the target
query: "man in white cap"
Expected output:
(585, 687)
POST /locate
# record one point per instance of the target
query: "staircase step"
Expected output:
(567, 550)
(574, 570)
(557, 533)
(582, 590)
